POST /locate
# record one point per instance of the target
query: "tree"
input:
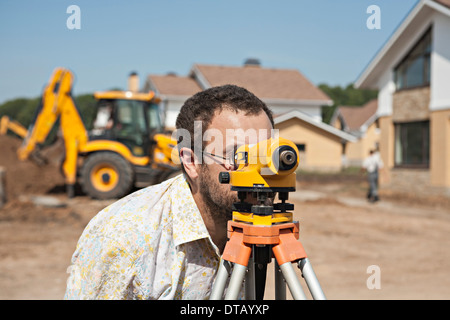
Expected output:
(86, 105)
(23, 110)
(348, 96)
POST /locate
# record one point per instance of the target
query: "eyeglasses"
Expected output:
(235, 161)
(231, 160)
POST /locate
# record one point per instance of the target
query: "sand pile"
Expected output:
(26, 177)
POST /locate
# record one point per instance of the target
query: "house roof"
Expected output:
(266, 83)
(444, 2)
(296, 114)
(174, 85)
(355, 117)
(407, 30)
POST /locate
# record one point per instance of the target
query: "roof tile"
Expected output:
(355, 117)
(264, 82)
(174, 85)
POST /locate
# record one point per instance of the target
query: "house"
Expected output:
(319, 144)
(294, 100)
(361, 122)
(282, 90)
(412, 73)
(173, 91)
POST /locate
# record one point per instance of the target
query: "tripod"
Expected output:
(255, 233)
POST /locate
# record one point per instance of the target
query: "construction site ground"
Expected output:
(405, 236)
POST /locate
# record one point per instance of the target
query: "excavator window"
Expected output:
(104, 119)
(153, 118)
(131, 122)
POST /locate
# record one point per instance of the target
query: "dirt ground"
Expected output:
(405, 236)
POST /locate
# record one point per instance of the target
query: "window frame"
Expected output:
(425, 148)
(410, 57)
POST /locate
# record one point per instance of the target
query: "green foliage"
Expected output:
(348, 96)
(86, 105)
(23, 110)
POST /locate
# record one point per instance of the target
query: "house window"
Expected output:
(301, 147)
(301, 154)
(412, 144)
(414, 69)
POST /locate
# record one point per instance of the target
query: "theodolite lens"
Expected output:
(285, 158)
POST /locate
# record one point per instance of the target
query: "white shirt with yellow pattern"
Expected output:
(152, 244)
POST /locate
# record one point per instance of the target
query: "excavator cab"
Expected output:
(131, 119)
(127, 126)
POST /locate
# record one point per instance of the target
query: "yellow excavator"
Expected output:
(126, 148)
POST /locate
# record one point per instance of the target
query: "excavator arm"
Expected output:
(7, 124)
(56, 103)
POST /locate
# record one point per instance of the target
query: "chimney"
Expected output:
(252, 62)
(133, 82)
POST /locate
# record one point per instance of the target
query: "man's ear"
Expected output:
(189, 162)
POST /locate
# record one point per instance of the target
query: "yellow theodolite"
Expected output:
(265, 169)
(261, 228)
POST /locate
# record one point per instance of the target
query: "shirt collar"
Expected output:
(187, 220)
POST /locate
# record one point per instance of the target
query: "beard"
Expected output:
(218, 201)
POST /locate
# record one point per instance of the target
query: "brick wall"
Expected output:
(411, 105)
(415, 181)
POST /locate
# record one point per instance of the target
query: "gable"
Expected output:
(355, 117)
(318, 126)
(401, 41)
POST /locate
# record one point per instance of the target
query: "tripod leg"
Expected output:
(250, 281)
(260, 280)
(311, 279)
(237, 252)
(221, 280)
(262, 255)
(280, 285)
(235, 286)
(292, 281)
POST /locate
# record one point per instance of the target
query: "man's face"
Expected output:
(227, 131)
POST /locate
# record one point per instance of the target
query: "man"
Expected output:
(372, 164)
(165, 241)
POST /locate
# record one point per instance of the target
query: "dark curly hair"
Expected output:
(203, 105)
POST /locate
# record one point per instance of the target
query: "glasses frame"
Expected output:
(230, 159)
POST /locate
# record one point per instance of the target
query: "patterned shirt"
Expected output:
(152, 244)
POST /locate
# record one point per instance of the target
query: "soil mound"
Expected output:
(27, 177)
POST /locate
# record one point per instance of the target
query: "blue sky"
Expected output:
(326, 40)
